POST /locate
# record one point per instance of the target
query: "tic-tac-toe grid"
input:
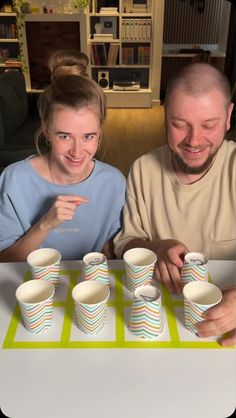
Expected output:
(64, 332)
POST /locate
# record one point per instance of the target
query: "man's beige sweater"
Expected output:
(202, 215)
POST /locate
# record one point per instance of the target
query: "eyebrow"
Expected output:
(68, 133)
(205, 120)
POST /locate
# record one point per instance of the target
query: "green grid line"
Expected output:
(119, 303)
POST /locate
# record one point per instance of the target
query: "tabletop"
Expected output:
(65, 372)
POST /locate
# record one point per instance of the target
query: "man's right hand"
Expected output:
(170, 255)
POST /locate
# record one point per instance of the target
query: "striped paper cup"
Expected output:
(146, 315)
(35, 298)
(195, 268)
(90, 300)
(95, 267)
(45, 264)
(198, 297)
(139, 266)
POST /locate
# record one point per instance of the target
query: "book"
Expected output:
(109, 10)
(104, 37)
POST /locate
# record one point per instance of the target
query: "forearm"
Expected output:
(27, 243)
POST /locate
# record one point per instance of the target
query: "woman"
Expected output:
(64, 199)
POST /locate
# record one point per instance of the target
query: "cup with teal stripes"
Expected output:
(45, 264)
(35, 298)
(198, 298)
(146, 313)
(90, 301)
(95, 267)
(139, 266)
(195, 268)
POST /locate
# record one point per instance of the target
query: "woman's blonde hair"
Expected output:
(73, 91)
(66, 62)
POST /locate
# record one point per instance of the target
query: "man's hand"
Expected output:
(62, 210)
(221, 319)
(170, 256)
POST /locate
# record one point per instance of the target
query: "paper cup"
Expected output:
(45, 264)
(146, 315)
(198, 297)
(90, 300)
(195, 268)
(35, 298)
(139, 266)
(95, 267)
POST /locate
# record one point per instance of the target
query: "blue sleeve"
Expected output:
(10, 226)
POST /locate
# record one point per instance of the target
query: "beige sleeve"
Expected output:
(135, 219)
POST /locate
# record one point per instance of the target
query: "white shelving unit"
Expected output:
(8, 40)
(138, 51)
(148, 73)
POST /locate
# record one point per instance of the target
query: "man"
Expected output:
(181, 197)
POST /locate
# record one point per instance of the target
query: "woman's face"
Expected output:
(74, 137)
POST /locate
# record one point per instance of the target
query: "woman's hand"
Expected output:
(62, 210)
(170, 255)
(221, 319)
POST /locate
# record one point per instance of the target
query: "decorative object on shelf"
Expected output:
(7, 8)
(18, 9)
(80, 4)
(26, 7)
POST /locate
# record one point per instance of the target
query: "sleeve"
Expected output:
(135, 217)
(10, 226)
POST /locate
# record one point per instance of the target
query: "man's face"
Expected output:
(195, 129)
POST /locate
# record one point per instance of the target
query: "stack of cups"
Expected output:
(195, 268)
(45, 264)
(35, 298)
(139, 265)
(90, 300)
(199, 297)
(146, 316)
(95, 267)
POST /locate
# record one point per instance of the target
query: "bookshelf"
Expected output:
(122, 38)
(125, 41)
(9, 42)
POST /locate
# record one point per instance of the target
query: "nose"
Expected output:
(76, 147)
(193, 137)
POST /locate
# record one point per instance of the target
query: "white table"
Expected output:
(66, 374)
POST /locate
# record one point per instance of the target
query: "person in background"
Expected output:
(68, 62)
(65, 198)
(182, 197)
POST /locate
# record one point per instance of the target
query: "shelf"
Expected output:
(8, 14)
(7, 40)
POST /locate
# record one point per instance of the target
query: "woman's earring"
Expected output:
(48, 143)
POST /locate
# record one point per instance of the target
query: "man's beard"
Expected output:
(193, 170)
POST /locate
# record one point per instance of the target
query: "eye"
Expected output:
(63, 136)
(89, 137)
(209, 126)
(178, 125)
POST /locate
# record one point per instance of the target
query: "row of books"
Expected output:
(8, 30)
(136, 55)
(137, 29)
(135, 6)
(104, 54)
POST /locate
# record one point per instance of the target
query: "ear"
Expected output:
(228, 115)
